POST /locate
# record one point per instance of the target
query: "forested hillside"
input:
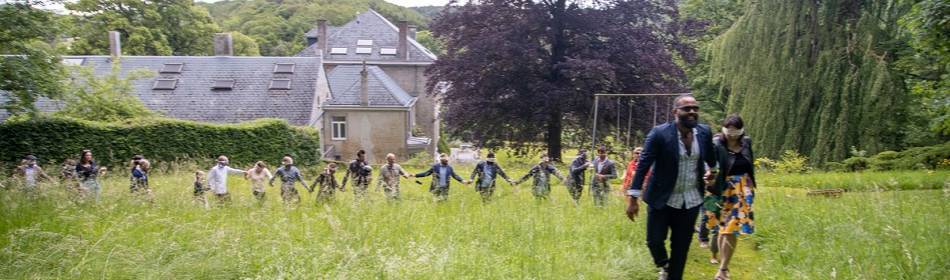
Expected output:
(278, 26)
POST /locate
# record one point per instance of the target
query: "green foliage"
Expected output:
(791, 162)
(929, 157)
(816, 77)
(430, 42)
(35, 70)
(278, 26)
(867, 180)
(927, 64)
(105, 98)
(177, 27)
(244, 45)
(158, 139)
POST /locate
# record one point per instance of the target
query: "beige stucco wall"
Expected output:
(376, 132)
(412, 79)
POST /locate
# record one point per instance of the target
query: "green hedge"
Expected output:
(54, 139)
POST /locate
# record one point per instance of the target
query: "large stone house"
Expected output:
(215, 89)
(361, 84)
(396, 66)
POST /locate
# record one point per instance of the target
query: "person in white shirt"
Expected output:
(218, 178)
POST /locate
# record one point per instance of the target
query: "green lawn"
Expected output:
(861, 235)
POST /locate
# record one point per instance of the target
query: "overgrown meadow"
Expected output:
(868, 233)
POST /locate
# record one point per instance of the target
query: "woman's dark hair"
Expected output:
(734, 121)
(82, 156)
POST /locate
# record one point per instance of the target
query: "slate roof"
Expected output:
(369, 25)
(194, 99)
(382, 90)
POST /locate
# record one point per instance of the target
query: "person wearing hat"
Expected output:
(138, 179)
(289, 175)
(441, 172)
(359, 171)
(218, 178)
(30, 172)
(542, 173)
(487, 171)
(578, 170)
(328, 184)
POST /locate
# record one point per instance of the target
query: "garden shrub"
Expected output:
(54, 139)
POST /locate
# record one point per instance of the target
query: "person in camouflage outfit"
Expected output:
(541, 173)
(327, 183)
(359, 172)
(487, 171)
(389, 177)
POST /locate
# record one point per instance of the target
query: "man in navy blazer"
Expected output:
(682, 156)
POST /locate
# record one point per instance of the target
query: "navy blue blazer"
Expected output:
(661, 151)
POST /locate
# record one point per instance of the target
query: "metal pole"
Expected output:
(656, 105)
(618, 121)
(594, 134)
(629, 120)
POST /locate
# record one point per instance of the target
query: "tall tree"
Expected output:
(814, 76)
(33, 69)
(161, 27)
(523, 71)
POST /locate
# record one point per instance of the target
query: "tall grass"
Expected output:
(889, 235)
(861, 181)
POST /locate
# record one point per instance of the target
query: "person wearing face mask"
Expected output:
(578, 170)
(541, 173)
(487, 171)
(218, 179)
(359, 171)
(734, 190)
(604, 170)
(31, 172)
(682, 157)
(289, 175)
(328, 184)
(442, 173)
(389, 177)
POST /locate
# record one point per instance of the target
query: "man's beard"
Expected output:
(688, 122)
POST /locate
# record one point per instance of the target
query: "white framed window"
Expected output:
(387, 51)
(364, 42)
(338, 125)
(337, 50)
(364, 50)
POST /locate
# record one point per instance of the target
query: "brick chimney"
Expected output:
(322, 35)
(364, 86)
(223, 44)
(115, 44)
(403, 48)
(412, 31)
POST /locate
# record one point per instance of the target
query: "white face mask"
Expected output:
(732, 132)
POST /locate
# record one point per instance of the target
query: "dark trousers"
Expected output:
(678, 224)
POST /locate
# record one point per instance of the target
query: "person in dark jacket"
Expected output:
(735, 190)
(487, 171)
(681, 154)
(604, 171)
(441, 173)
(578, 170)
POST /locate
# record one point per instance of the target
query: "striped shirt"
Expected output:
(685, 195)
